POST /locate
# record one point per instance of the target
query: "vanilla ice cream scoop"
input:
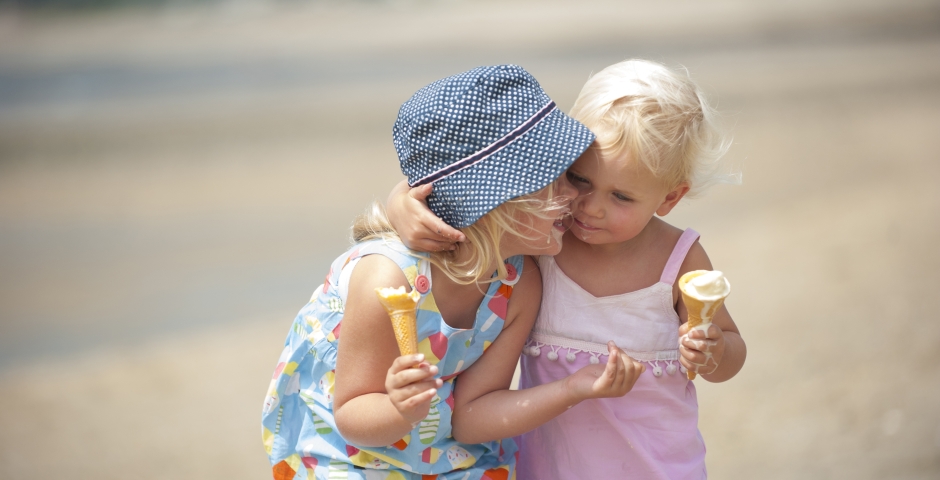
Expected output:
(708, 286)
(703, 293)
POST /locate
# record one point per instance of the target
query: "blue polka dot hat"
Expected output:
(483, 137)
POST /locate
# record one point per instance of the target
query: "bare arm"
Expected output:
(417, 226)
(378, 397)
(485, 409)
(723, 341)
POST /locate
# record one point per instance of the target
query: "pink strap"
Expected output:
(685, 242)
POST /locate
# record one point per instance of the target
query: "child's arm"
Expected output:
(720, 355)
(484, 407)
(417, 226)
(377, 396)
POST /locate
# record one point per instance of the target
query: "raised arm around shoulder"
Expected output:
(724, 343)
(417, 226)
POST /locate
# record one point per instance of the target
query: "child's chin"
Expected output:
(586, 237)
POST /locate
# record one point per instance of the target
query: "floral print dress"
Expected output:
(299, 431)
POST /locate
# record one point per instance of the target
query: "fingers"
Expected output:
(705, 346)
(620, 373)
(640, 368)
(421, 193)
(706, 367)
(701, 348)
(433, 245)
(414, 394)
(710, 331)
(404, 362)
(633, 369)
(409, 369)
(410, 381)
(436, 235)
(409, 400)
(698, 360)
(616, 369)
(443, 234)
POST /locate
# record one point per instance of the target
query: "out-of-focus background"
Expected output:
(175, 178)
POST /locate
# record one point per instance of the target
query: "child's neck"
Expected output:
(458, 303)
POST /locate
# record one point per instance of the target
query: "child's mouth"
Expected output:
(585, 226)
(563, 222)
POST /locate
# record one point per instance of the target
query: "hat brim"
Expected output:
(524, 166)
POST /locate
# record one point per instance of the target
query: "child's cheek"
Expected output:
(575, 206)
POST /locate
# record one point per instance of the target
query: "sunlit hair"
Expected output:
(481, 250)
(657, 117)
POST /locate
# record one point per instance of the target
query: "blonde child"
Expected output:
(343, 402)
(615, 279)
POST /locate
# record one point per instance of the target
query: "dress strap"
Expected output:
(681, 249)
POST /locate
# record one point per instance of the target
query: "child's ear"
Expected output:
(672, 198)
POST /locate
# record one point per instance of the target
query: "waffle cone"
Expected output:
(700, 312)
(401, 308)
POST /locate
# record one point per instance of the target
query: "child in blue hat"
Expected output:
(343, 402)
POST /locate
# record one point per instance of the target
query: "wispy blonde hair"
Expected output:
(482, 247)
(658, 117)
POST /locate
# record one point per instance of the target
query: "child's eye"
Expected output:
(622, 197)
(576, 178)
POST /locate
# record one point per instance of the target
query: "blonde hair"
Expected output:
(483, 236)
(658, 117)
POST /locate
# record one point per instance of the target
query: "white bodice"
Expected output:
(643, 323)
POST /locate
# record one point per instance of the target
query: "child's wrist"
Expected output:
(570, 393)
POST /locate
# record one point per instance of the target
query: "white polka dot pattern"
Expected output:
(459, 116)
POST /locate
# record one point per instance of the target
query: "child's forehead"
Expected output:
(613, 167)
(618, 173)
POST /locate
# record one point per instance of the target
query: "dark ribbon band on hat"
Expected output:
(488, 151)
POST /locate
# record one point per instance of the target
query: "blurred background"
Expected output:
(176, 176)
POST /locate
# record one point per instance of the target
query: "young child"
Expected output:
(615, 279)
(343, 402)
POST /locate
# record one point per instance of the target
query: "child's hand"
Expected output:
(699, 352)
(411, 389)
(417, 226)
(614, 379)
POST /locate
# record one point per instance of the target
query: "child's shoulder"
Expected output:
(695, 259)
(529, 283)
(667, 236)
(664, 236)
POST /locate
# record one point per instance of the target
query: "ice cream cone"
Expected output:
(401, 308)
(702, 302)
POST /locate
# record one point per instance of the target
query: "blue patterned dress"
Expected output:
(299, 430)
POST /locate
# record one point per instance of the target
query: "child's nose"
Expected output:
(587, 204)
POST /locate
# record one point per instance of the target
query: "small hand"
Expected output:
(701, 350)
(417, 226)
(411, 389)
(613, 379)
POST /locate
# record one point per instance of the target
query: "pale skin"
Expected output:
(616, 244)
(379, 398)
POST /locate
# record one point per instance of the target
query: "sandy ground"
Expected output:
(173, 184)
